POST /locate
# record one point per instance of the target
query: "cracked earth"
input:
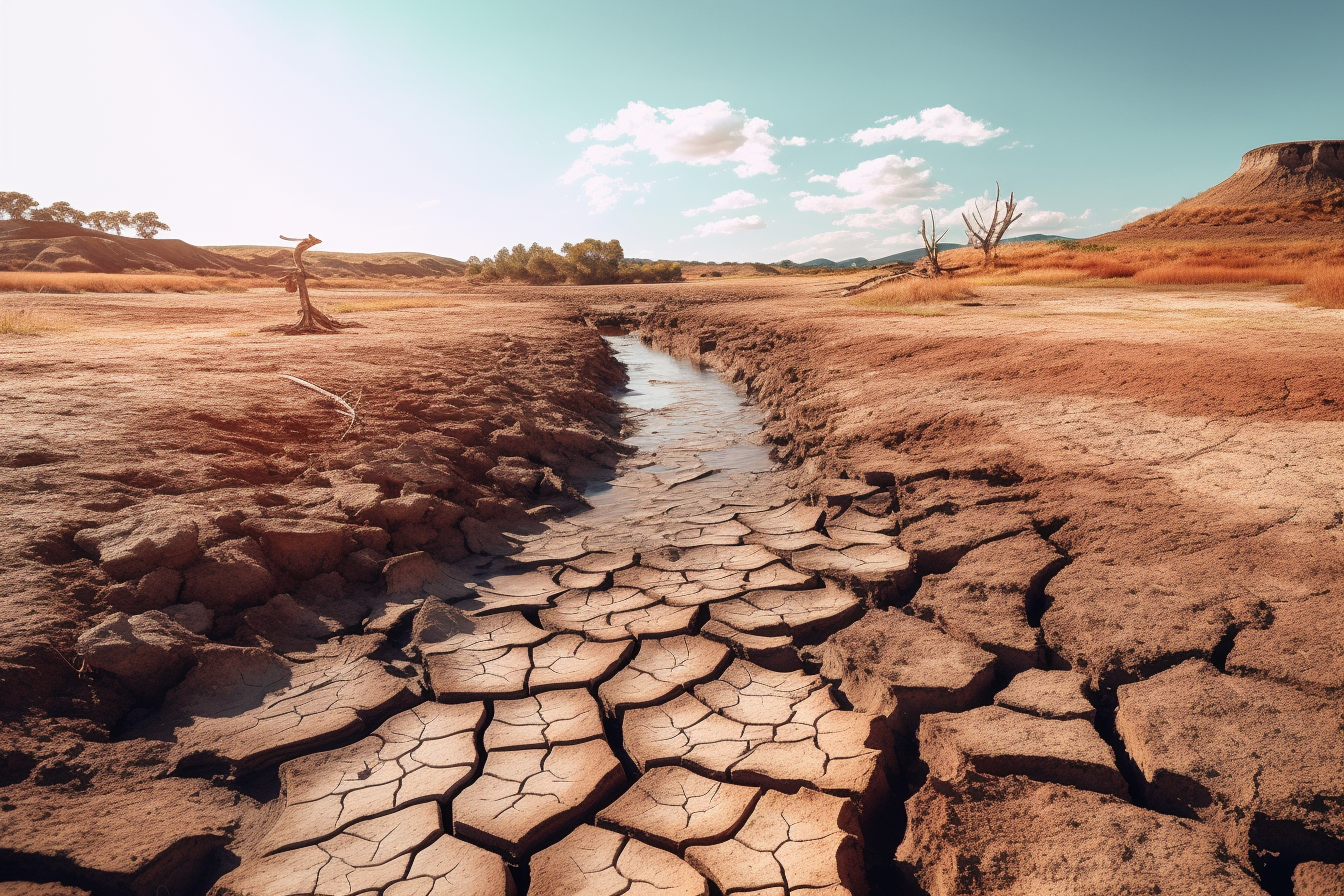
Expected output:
(696, 670)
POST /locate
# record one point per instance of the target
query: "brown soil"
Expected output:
(1140, 487)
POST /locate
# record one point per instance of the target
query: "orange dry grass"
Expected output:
(25, 322)
(1323, 289)
(916, 291)
(1175, 264)
(44, 282)
(34, 281)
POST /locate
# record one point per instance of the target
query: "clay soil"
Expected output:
(1174, 455)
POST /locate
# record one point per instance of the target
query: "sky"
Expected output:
(753, 131)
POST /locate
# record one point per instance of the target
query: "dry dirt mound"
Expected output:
(350, 264)
(56, 247)
(1293, 190)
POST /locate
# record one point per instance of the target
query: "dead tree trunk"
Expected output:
(311, 319)
(931, 247)
(986, 237)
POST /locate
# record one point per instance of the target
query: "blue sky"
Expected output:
(790, 129)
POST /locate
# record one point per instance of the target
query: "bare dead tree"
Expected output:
(986, 237)
(311, 319)
(931, 246)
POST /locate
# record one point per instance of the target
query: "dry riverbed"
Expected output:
(1042, 597)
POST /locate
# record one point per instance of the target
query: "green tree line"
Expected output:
(16, 206)
(587, 263)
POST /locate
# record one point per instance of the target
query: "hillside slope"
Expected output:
(1280, 191)
(350, 264)
(54, 246)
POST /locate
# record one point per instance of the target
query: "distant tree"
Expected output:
(593, 261)
(652, 272)
(16, 205)
(60, 211)
(986, 237)
(147, 225)
(120, 219)
(589, 262)
(100, 221)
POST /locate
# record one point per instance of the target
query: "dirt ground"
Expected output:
(1175, 452)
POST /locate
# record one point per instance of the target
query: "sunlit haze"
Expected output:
(752, 131)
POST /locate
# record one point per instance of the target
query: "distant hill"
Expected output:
(54, 246)
(349, 264)
(1281, 191)
(911, 254)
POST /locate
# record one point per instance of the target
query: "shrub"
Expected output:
(916, 291)
(1322, 289)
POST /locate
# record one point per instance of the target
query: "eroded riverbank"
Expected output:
(653, 683)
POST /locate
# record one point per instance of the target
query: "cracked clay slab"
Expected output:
(756, 726)
(806, 842)
(675, 808)
(525, 797)
(404, 853)
(546, 720)
(662, 668)
(596, 862)
(425, 753)
(245, 708)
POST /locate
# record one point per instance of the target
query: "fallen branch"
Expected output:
(344, 406)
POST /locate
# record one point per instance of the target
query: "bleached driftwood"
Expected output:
(344, 406)
(311, 319)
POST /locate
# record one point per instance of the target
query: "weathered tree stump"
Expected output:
(311, 319)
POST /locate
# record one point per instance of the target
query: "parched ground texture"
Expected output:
(1043, 600)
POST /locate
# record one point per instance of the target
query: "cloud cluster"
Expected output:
(944, 124)
(729, 225)
(603, 191)
(881, 184)
(727, 202)
(712, 134)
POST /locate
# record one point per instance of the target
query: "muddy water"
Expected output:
(696, 438)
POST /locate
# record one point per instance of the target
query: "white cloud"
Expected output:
(877, 184)
(821, 179)
(604, 191)
(836, 244)
(1033, 216)
(1017, 143)
(900, 216)
(592, 157)
(712, 134)
(1135, 214)
(727, 202)
(729, 225)
(945, 124)
(903, 241)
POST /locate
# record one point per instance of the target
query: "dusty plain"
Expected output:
(1055, 598)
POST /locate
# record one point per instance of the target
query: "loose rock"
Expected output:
(1050, 695)
(1016, 836)
(1258, 760)
(991, 740)
(901, 667)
